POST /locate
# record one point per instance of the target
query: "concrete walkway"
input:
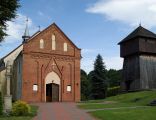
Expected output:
(134, 107)
(61, 111)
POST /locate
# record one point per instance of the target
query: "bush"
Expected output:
(1, 104)
(20, 108)
(113, 91)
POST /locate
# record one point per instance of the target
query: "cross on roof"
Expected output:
(39, 27)
(27, 19)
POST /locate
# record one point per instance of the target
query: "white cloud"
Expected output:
(131, 12)
(16, 28)
(113, 62)
(90, 50)
(89, 56)
(87, 63)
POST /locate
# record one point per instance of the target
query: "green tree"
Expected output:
(85, 86)
(8, 10)
(114, 77)
(99, 79)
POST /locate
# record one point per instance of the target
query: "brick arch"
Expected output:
(53, 77)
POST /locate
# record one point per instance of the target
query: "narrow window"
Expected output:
(65, 47)
(41, 44)
(53, 42)
(68, 88)
(35, 87)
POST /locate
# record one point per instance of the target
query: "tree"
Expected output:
(90, 76)
(8, 10)
(114, 77)
(98, 78)
(85, 86)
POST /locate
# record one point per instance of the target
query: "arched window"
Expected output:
(41, 44)
(53, 42)
(65, 46)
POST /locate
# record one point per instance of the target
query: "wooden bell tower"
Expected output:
(139, 52)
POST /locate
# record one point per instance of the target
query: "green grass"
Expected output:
(100, 106)
(126, 114)
(124, 100)
(29, 117)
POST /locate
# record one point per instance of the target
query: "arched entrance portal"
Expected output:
(52, 87)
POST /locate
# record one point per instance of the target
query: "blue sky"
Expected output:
(95, 26)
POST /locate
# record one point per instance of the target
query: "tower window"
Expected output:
(65, 46)
(53, 42)
(41, 44)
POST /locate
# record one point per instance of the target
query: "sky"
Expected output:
(95, 26)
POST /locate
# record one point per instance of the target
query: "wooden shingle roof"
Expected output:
(139, 32)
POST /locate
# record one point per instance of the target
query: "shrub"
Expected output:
(1, 104)
(20, 108)
(113, 91)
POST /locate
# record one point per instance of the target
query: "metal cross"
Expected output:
(39, 28)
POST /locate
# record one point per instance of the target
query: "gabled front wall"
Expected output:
(46, 35)
(37, 63)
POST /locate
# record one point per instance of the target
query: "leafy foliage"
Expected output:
(7, 13)
(21, 108)
(85, 86)
(114, 77)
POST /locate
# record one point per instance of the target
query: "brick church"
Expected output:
(44, 68)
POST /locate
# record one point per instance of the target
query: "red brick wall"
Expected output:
(37, 64)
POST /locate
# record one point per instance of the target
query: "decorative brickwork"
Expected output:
(37, 63)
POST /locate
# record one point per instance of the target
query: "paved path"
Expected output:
(61, 111)
(134, 107)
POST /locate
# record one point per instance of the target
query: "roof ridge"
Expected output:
(139, 32)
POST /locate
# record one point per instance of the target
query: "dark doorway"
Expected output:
(49, 92)
(52, 92)
(128, 85)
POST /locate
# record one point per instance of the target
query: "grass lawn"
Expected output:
(126, 114)
(109, 105)
(124, 100)
(32, 114)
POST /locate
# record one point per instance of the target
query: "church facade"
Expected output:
(45, 68)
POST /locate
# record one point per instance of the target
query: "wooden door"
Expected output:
(55, 92)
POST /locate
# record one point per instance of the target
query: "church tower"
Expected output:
(26, 33)
(139, 52)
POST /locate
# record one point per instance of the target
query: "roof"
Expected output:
(11, 52)
(19, 45)
(139, 32)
